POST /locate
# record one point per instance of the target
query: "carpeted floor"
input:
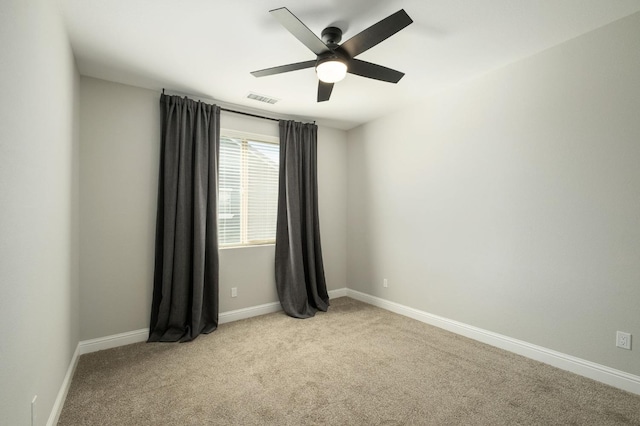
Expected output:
(355, 365)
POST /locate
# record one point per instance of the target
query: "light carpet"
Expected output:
(354, 365)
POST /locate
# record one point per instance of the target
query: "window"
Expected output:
(247, 189)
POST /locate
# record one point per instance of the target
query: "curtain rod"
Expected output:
(248, 114)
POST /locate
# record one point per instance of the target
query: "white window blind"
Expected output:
(248, 189)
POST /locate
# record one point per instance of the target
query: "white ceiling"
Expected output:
(207, 48)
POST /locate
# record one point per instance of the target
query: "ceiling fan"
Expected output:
(335, 60)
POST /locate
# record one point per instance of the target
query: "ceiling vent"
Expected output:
(262, 98)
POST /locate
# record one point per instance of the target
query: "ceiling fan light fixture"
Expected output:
(331, 70)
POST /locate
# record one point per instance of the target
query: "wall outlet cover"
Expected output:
(623, 340)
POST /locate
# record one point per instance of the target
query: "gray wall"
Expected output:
(119, 157)
(512, 202)
(38, 208)
(119, 167)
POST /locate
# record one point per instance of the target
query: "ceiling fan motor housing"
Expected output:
(332, 55)
(331, 36)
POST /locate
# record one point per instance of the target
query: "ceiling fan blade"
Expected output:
(284, 68)
(324, 91)
(299, 30)
(376, 33)
(377, 72)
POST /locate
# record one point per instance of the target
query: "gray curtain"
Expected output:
(299, 269)
(185, 287)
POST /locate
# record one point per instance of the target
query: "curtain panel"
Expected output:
(185, 288)
(299, 269)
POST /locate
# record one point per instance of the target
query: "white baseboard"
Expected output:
(54, 416)
(113, 341)
(267, 308)
(592, 370)
(244, 313)
(334, 294)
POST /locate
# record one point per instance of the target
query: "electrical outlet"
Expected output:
(385, 283)
(623, 340)
(34, 412)
(234, 291)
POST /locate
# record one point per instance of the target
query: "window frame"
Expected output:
(245, 137)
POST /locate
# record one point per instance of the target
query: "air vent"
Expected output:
(262, 98)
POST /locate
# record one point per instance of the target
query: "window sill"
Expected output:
(246, 246)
